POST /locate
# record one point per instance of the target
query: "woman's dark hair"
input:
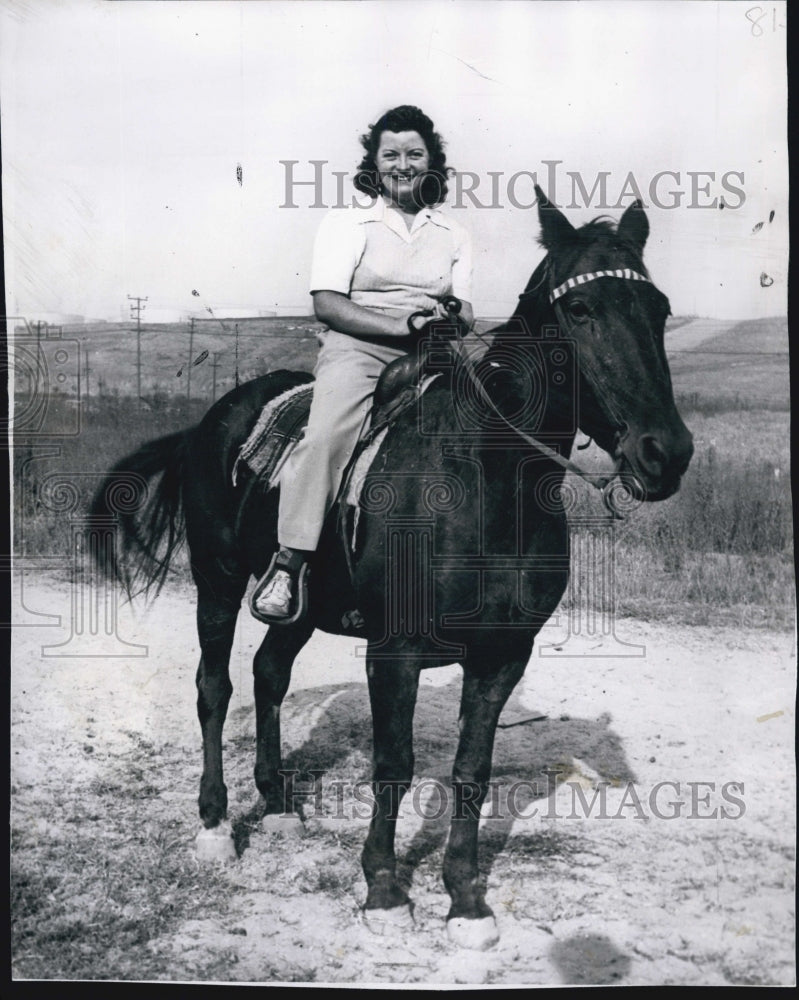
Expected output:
(405, 118)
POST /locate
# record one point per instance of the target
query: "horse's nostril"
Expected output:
(652, 454)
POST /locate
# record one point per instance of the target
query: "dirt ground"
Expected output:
(688, 882)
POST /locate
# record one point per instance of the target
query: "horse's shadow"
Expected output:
(329, 732)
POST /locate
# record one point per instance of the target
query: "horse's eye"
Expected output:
(579, 310)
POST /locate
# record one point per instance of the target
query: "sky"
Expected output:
(124, 125)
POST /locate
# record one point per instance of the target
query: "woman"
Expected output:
(372, 268)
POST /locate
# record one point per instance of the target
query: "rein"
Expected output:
(600, 481)
(604, 482)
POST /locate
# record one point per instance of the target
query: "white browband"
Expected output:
(581, 279)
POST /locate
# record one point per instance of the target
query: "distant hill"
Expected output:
(709, 357)
(239, 348)
(747, 361)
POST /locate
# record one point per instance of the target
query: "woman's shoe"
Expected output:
(281, 595)
(275, 600)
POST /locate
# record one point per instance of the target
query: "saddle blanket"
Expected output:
(279, 427)
(282, 423)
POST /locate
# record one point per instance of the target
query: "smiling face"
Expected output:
(402, 159)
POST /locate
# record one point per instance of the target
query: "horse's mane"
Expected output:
(603, 227)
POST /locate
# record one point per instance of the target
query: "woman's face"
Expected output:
(402, 160)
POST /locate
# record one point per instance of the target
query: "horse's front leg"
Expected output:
(272, 673)
(393, 686)
(470, 921)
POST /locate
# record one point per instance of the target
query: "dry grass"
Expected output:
(92, 887)
(721, 547)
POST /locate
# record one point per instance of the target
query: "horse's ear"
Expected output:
(555, 227)
(634, 226)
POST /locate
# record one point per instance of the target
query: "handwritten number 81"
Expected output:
(756, 14)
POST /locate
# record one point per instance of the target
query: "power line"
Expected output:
(746, 354)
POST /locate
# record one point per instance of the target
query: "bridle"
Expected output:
(581, 279)
(607, 483)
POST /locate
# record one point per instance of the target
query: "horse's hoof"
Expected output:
(216, 843)
(384, 922)
(283, 824)
(479, 934)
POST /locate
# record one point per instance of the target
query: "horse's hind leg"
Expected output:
(470, 921)
(217, 609)
(393, 687)
(272, 671)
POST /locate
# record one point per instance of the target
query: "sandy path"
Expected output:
(630, 898)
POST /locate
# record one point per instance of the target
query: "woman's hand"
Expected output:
(340, 313)
(463, 319)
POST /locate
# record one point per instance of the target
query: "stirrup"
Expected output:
(300, 582)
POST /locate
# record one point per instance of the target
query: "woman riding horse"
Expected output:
(462, 550)
(373, 268)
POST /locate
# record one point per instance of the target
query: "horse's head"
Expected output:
(626, 403)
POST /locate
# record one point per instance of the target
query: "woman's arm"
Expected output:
(340, 313)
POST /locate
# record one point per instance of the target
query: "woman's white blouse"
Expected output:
(371, 255)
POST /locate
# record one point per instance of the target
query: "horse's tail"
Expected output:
(150, 520)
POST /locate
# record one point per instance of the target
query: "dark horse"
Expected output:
(461, 548)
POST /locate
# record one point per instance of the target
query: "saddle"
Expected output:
(283, 421)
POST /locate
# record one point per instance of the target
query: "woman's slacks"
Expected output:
(346, 376)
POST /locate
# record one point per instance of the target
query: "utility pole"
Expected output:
(135, 311)
(191, 358)
(214, 366)
(86, 356)
(39, 326)
(237, 354)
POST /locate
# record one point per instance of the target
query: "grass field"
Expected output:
(720, 550)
